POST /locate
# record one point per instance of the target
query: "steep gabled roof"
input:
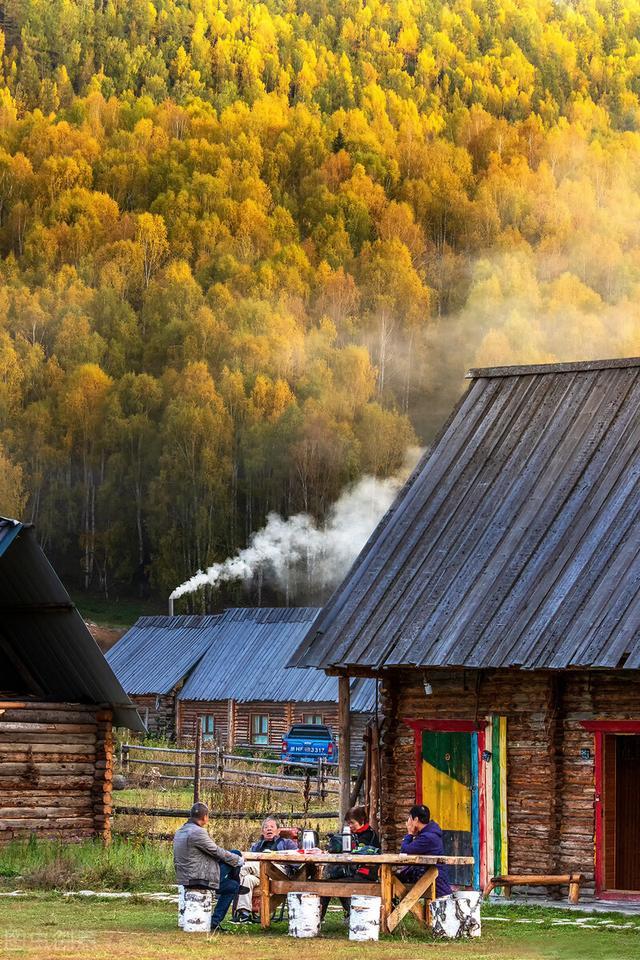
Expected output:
(247, 657)
(46, 650)
(240, 654)
(157, 653)
(516, 542)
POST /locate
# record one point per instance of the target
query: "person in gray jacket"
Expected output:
(198, 860)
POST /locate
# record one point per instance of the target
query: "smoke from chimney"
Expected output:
(300, 557)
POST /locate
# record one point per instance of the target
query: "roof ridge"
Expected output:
(530, 369)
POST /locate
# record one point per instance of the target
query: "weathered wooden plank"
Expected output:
(325, 888)
(53, 795)
(45, 768)
(43, 823)
(22, 726)
(394, 859)
(451, 608)
(28, 738)
(68, 787)
(42, 749)
(19, 715)
(50, 785)
(463, 457)
(51, 812)
(543, 527)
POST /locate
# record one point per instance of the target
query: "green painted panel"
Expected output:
(447, 780)
(495, 790)
(450, 753)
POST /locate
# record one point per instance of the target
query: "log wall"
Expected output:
(550, 783)
(159, 713)
(281, 717)
(56, 767)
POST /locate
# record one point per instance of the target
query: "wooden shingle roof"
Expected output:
(516, 542)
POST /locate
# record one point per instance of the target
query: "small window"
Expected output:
(260, 728)
(208, 726)
(312, 718)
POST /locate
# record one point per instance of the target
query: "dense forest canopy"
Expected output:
(248, 249)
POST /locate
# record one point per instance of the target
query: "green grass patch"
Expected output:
(56, 926)
(55, 865)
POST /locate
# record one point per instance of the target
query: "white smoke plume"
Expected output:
(297, 554)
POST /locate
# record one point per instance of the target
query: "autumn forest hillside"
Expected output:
(249, 249)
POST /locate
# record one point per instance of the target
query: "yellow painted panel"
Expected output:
(448, 800)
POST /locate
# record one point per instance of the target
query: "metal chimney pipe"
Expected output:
(170, 606)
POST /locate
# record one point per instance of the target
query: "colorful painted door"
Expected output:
(450, 790)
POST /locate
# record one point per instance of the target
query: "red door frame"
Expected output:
(599, 729)
(456, 726)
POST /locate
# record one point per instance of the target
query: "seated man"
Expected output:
(362, 835)
(198, 861)
(270, 839)
(424, 838)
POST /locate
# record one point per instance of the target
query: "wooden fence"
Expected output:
(213, 767)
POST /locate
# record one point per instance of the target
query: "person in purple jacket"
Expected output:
(424, 837)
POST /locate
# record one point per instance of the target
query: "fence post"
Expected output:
(124, 759)
(197, 766)
(220, 765)
(306, 792)
(215, 771)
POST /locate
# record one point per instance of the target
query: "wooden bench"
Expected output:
(509, 880)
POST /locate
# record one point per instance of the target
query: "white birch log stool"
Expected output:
(457, 915)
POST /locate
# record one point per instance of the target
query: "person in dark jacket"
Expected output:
(198, 862)
(270, 839)
(362, 835)
(424, 838)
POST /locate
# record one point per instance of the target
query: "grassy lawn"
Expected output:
(51, 926)
(55, 865)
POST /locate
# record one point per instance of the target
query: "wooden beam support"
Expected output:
(386, 894)
(265, 896)
(325, 889)
(344, 756)
(418, 890)
(417, 909)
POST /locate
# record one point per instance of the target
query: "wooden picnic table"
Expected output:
(275, 885)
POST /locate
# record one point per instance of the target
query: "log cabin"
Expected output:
(59, 700)
(152, 661)
(498, 606)
(230, 670)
